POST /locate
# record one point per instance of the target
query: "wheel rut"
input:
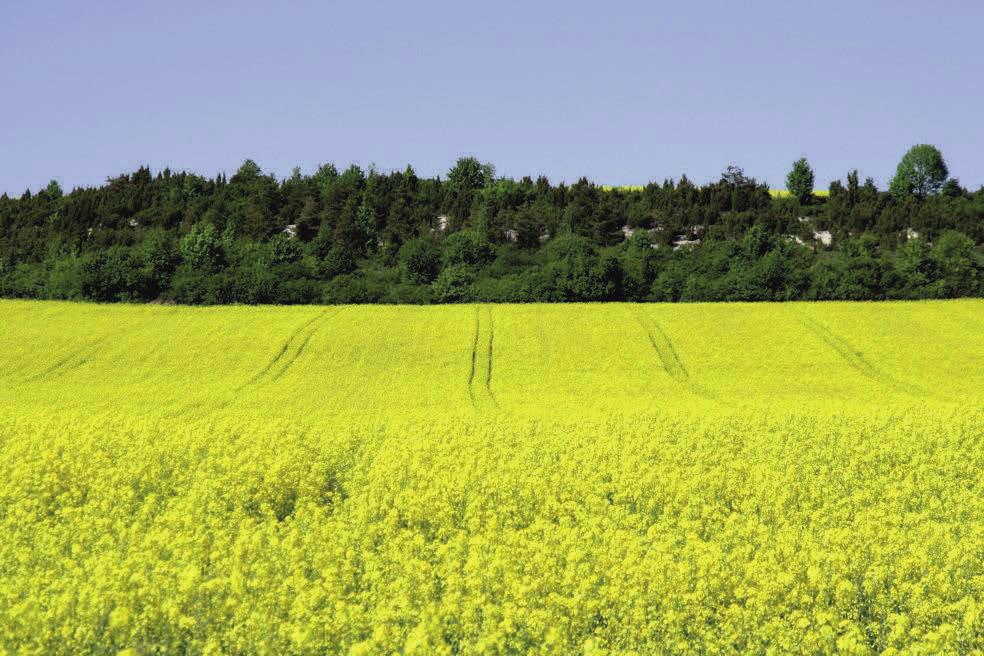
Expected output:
(313, 328)
(490, 359)
(474, 357)
(855, 358)
(667, 354)
(300, 335)
(74, 360)
(482, 360)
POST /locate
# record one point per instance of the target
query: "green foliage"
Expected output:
(201, 248)
(420, 260)
(465, 179)
(338, 261)
(184, 237)
(365, 224)
(160, 255)
(54, 190)
(346, 289)
(921, 172)
(453, 285)
(468, 247)
(468, 174)
(639, 265)
(284, 250)
(193, 286)
(799, 182)
(111, 275)
(959, 264)
(64, 279)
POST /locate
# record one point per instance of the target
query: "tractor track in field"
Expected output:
(479, 393)
(283, 350)
(474, 356)
(81, 356)
(491, 351)
(855, 358)
(314, 326)
(73, 360)
(184, 410)
(668, 357)
(200, 409)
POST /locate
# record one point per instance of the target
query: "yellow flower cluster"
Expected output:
(662, 534)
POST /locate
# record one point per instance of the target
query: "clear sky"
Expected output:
(622, 92)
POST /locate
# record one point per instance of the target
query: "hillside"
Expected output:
(363, 237)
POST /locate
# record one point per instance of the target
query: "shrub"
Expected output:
(420, 260)
(468, 247)
(201, 247)
(453, 285)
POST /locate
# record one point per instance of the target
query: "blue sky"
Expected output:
(623, 93)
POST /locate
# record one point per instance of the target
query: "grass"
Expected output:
(484, 479)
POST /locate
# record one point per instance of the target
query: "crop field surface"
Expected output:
(597, 479)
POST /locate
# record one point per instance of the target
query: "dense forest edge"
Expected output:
(357, 236)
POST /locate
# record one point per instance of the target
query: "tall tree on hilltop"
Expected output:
(465, 178)
(921, 172)
(799, 182)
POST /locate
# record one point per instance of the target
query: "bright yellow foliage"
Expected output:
(623, 187)
(598, 479)
(785, 193)
(775, 193)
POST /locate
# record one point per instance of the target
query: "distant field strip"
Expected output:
(87, 347)
(775, 193)
(558, 359)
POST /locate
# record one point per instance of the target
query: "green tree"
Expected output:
(957, 263)
(160, 255)
(454, 285)
(921, 172)
(201, 247)
(284, 250)
(365, 223)
(420, 260)
(799, 182)
(54, 190)
(914, 269)
(309, 219)
(468, 174)
(469, 247)
(639, 265)
(952, 189)
(465, 179)
(853, 188)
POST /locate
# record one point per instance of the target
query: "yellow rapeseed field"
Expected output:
(775, 193)
(597, 479)
(785, 193)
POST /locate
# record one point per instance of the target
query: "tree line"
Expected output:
(357, 236)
